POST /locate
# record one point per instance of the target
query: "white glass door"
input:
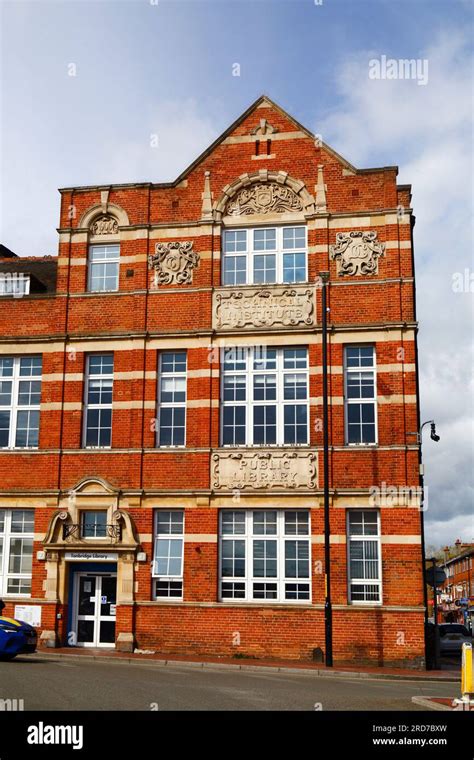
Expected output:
(96, 598)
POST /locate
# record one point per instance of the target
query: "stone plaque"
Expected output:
(267, 469)
(248, 308)
(357, 252)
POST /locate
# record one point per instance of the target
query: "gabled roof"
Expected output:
(468, 552)
(42, 270)
(263, 99)
(5, 253)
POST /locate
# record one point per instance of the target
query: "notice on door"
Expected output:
(29, 613)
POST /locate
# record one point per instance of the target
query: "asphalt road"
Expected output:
(58, 684)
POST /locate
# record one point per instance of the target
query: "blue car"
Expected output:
(16, 637)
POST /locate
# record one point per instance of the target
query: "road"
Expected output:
(46, 683)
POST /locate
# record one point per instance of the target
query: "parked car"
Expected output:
(16, 637)
(452, 636)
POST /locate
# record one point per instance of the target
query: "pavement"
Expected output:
(53, 680)
(449, 671)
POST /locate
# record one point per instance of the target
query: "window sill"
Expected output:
(15, 597)
(265, 446)
(19, 448)
(253, 285)
(101, 292)
(361, 445)
(168, 448)
(167, 600)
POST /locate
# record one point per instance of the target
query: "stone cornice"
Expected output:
(71, 338)
(218, 223)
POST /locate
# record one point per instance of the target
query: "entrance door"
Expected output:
(95, 597)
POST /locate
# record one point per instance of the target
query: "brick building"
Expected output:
(456, 599)
(161, 405)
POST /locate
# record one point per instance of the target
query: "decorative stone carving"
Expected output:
(267, 469)
(174, 263)
(104, 225)
(264, 192)
(206, 208)
(264, 128)
(264, 198)
(357, 253)
(321, 189)
(280, 306)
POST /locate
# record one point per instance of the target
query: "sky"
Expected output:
(86, 86)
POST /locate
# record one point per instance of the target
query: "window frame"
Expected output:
(249, 374)
(171, 404)
(86, 513)
(87, 406)
(251, 252)
(359, 401)
(364, 537)
(5, 553)
(18, 278)
(14, 407)
(167, 578)
(90, 265)
(249, 537)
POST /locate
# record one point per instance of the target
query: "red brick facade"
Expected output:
(135, 477)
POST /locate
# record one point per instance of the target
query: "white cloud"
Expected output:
(179, 132)
(427, 131)
(183, 133)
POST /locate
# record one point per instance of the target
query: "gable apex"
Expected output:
(264, 102)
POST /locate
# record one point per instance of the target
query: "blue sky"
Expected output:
(165, 68)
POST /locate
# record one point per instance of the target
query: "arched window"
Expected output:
(104, 255)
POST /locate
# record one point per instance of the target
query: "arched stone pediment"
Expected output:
(99, 220)
(264, 194)
(94, 485)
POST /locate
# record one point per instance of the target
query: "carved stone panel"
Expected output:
(357, 253)
(104, 225)
(271, 306)
(264, 198)
(264, 470)
(174, 263)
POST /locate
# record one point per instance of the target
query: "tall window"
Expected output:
(265, 555)
(16, 551)
(172, 398)
(264, 396)
(168, 559)
(20, 397)
(104, 264)
(360, 395)
(98, 402)
(264, 255)
(365, 571)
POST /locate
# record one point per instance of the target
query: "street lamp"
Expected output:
(434, 437)
(324, 277)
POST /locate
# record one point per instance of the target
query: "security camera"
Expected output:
(433, 435)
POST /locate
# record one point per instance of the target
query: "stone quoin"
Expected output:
(161, 441)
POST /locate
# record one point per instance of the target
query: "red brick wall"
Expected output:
(135, 313)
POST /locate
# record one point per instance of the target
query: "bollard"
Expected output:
(467, 686)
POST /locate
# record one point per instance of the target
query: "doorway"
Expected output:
(95, 599)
